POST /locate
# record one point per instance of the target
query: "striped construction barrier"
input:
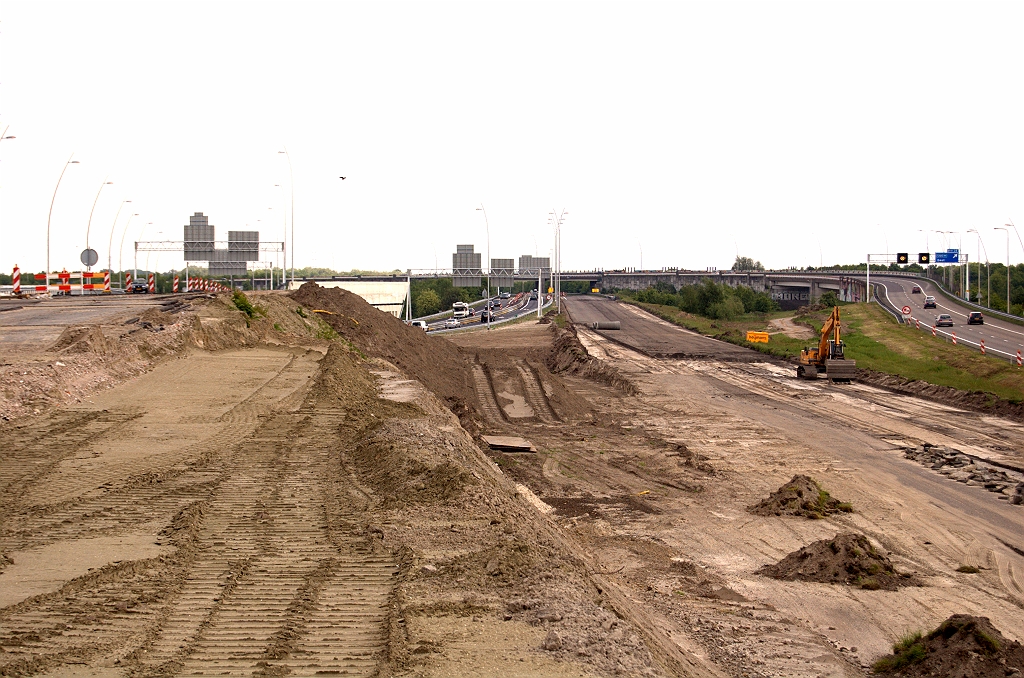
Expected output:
(933, 331)
(954, 338)
(106, 281)
(16, 280)
(175, 288)
(152, 284)
(127, 280)
(918, 321)
(982, 347)
(1020, 361)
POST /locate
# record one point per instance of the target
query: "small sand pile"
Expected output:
(847, 559)
(801, 496)
(963, 646)
(82, 339)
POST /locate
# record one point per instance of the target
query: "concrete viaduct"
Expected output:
(790, 289)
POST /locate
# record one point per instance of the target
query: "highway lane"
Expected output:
(513, 307)
(997, 333)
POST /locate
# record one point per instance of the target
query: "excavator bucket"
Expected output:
(841, 370)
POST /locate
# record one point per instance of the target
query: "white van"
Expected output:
(420, 323)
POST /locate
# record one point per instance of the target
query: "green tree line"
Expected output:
(709, 299)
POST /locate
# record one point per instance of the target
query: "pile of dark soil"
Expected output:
(963, 646)
(570, 356)
(847, 559)
(436, 363)
(801, 496)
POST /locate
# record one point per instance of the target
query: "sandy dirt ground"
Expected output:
(308, 493)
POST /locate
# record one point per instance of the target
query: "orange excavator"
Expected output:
(828, 357)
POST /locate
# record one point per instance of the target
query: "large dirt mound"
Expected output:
(847, 559)
(963, 646)
(801, 496)
(436, 362)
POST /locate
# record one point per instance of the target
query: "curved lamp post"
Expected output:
(135, 269)
(120, 251)
(988, 271)
(1000, 228)
(113, 226)
(291, 183)
(69, 162)
(88, 226)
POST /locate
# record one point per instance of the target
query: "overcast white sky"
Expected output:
(791, 132)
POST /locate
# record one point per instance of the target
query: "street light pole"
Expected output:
(120, 252)
(69, 162)
(1000, 228)
(284, 243)
(110, 242)
(291, 183)
(981, 246)
(487, 225)
(558, 218)
(88, 226)
(135, 268)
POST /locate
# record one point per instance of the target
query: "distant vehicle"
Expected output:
(486, 316)
(460, 309)
(533, 294)
(975, 318)
(139, 287)
(944, 320)
(452, 322)
(504, 295)
(929, 302)
(419, 323)
(916, 289)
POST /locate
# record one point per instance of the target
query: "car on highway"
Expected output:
(139, 287)
(504, 295)
(486, 316)
(975, 318)
(916, 289)
(929, 302)
(419, 323)
(452, 322)
(944, 320)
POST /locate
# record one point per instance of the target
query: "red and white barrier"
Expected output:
(106, 281)
(954, 338)
(16, 279)
(982, 347)
(127, 280)
(175, 288)
(933, 331)
(918, 321)
(1020, 361)
(152, 284)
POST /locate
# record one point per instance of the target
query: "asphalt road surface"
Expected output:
(997, 333)
(32, 324)
(651, 336)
